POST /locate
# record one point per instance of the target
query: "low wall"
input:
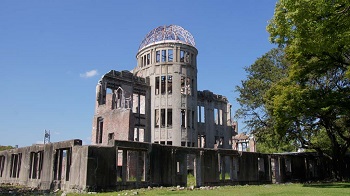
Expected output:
(69, 166)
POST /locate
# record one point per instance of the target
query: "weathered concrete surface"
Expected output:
(125, 165)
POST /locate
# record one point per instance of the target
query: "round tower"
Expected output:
(168, 58)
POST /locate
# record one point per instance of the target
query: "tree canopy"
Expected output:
(313, 100)
(262, 74)
(5, 148)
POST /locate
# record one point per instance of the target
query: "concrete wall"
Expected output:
(216, 130)
(126, 165)
(21, 167)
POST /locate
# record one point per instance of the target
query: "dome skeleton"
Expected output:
(168, 33)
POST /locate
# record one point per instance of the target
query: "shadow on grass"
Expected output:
(328, 185)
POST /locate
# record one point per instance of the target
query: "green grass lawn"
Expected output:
(273, 189)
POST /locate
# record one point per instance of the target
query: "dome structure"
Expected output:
(173, 33)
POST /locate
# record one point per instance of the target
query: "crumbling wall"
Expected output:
(121, 109)
(126, 165)
(214, 121)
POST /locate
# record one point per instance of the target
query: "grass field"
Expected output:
(318, 189)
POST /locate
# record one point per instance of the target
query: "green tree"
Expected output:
(313, 101)
(5, 148)
(266, 70)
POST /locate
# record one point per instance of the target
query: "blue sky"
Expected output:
(52, 53)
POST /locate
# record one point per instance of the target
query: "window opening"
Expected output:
(120, 98)
(170, 84)
(16, 160)
(162, 113)
(169, 117)
(201, 141)
(2, 164)
(183, 118)
(188, 86)
(36, 159)
(156, 119)
(163, 84)
(192, 58)
(62, 164)
(216, 116)
(157, 85)
(110, 136)
(170, 143)
(261, 165)
(157, 56)
(99, 130)
(141, 135)
(182, 56)
(163, 55)
(148, 59)
(183, 85)
(220, 117)
(144, 60)
(170, 55)
(201, 116)
(187, 57)
(188, 118)
(142, 104)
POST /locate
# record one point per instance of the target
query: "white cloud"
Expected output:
(89, 74)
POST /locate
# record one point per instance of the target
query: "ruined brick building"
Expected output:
(158, 101)
(151, 127)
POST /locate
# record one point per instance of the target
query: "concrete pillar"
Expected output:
(124, 166)
(199, 169)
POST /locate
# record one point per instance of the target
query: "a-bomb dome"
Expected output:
(173, 33)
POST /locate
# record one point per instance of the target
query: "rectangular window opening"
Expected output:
(182, 56)
(162, 113)
(183, 118)
(220, 117)
(170, 55)
(188, 118)
(156, 119)
(170, 84)
(201, 141)
(148, 59)
(142, 104)
(99, 133)
(202, 114)
(163, 84)
(157, 85)
(157, 56)
(2, 165)
(169, 117)
(187, 57)
(163, 55)
(183, 89)
(216, 116)
(188, 86)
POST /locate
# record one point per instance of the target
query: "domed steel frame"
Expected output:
(166, 33)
